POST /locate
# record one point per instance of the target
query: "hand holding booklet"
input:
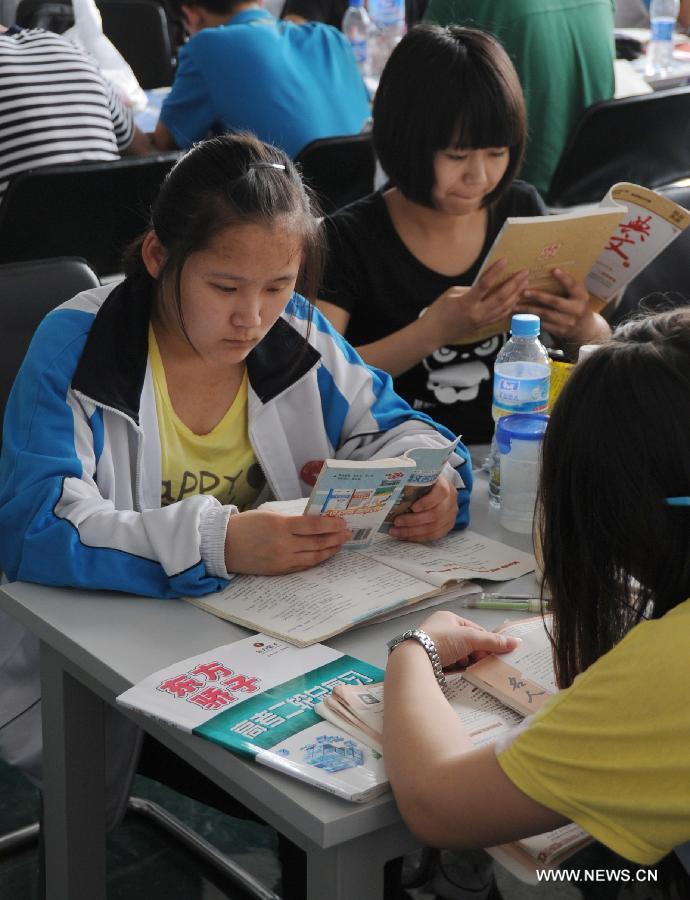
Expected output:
(490, 697)
(369, 495)
(605, 246)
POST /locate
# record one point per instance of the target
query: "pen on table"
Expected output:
(513, 602)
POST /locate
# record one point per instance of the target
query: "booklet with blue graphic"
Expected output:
(369, 494)
(256, 697)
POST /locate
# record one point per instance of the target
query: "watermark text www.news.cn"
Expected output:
(622, 876)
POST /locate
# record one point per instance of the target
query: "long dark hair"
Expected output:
(618, 444)
(476, 101)
(221, 183)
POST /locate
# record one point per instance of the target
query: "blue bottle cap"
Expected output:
(520, 427)
(525, 325)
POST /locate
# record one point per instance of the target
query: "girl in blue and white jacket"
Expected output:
(148, 419)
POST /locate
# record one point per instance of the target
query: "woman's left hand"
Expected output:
(430, 517)
(460, 642)
(569, 318)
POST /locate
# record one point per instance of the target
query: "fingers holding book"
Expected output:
(460, 641)
(268, 543)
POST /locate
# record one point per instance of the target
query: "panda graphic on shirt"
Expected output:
(458, 387)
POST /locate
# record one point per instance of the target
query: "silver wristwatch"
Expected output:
(416, 634)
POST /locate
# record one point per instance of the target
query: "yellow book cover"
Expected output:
(605, 245)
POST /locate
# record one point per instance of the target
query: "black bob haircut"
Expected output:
(446, 87)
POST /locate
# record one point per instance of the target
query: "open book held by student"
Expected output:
(491, 697)
(605, 246)
(369, 494)
(357, 586)
(256, 698)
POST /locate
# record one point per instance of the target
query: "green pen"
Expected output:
(512, 603)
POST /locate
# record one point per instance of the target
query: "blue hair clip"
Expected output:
(678, 501)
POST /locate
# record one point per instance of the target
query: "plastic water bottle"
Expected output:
(356, 28)
(662, 17)
(387, 28)
(521, 385)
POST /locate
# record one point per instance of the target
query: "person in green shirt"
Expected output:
(563, 51)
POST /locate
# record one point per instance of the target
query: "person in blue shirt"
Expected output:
(244, 70)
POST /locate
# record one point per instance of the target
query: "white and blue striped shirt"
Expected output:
(55, 106)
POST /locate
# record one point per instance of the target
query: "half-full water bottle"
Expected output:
(356, 28)
(662, 17)
(521, 384)
(387, 28)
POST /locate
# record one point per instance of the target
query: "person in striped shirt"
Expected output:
(56, 106)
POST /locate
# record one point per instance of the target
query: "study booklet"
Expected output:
(605, 246)
(256, 697)
(357, 586)
(369, 494)
(490, 697)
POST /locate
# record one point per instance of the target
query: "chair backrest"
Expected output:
(643, 139)
(28, 292)
(53, 16)
(339, 169)
(665, 283)
(139, 30)
(93, 210)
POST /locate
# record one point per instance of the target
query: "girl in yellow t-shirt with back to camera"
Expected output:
(611, 751)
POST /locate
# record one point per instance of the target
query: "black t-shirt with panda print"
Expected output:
(384, 287)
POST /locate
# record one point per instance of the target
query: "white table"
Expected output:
(94, 645)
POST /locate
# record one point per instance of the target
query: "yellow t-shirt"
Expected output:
(221, 463)
(612, 752)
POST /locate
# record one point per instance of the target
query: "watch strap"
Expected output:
(416, 634)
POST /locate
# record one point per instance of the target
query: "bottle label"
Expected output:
(359, 48)
(662, 30)
(387, 12)
(520, 395)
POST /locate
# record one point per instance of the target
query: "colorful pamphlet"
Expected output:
(369, 494)
(256, 697)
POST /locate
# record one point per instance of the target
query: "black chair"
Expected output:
(665, 283)
(139, 29)
(93, 210)
(643, 139)
(28, 292)
(53, 16)
(339, 169)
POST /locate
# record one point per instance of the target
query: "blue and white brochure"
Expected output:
(369, 495)
(256, 697)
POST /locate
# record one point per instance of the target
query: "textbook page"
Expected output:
(456, 557)
(355, 586)
(359, 711)
(448, 595)
(306, 607)
(256, 698)
(524, 678)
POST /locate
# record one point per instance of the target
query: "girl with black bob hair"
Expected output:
(611, 750)
(150, 418)
(450, 130)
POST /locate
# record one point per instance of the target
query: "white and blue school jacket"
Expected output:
(80, 473)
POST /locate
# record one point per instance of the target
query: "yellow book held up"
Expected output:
(605, 245)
